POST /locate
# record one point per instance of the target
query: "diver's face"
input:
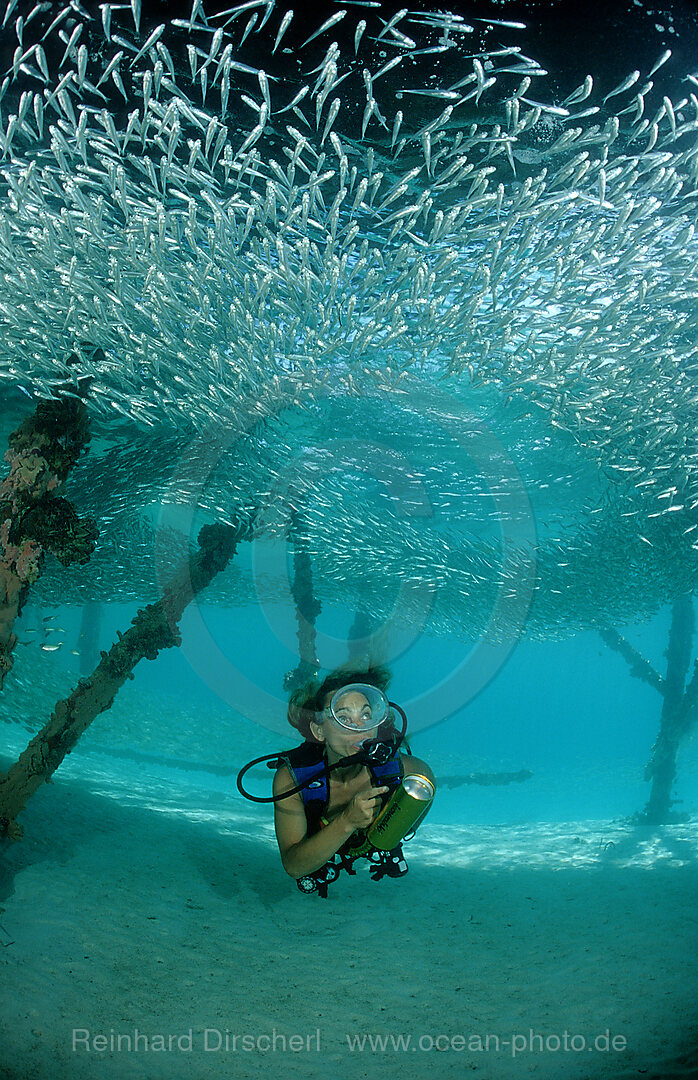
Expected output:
(354, 711)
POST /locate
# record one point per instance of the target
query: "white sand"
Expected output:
(165, 911)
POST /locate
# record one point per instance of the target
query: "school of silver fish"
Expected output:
(399, 291)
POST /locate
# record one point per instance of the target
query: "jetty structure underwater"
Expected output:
(380, 267)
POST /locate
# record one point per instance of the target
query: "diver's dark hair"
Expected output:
(307, 701)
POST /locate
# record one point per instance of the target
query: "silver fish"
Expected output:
(659, 62)
(150, 41)
(283, 27)
(629, 81)
(327, 25)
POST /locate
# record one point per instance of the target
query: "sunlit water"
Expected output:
(471, 400)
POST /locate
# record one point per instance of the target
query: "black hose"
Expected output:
(276, 798)
(362, 756)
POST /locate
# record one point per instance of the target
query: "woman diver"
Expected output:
(330, 790)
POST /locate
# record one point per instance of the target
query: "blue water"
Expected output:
(568, 711)
(147, 894)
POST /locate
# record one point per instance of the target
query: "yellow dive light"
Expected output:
(403, 812)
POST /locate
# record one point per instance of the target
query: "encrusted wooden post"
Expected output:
(677, 714)
(153, 628)
(679, 706)
(34, 517)
(308, 607)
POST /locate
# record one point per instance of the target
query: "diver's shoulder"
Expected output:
(283, 780)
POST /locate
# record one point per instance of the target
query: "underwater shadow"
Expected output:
(233, 867)
(641, 839)
(64, 816)
(682, 1067)
(54, 825)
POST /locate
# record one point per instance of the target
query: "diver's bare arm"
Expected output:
(302, 854)
(312, 852)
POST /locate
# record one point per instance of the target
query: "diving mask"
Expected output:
(358, 707)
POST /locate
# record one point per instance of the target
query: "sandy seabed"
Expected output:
(148, 931)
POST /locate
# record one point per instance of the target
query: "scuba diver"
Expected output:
(347, 792)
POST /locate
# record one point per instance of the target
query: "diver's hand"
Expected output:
(364, 807)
